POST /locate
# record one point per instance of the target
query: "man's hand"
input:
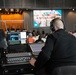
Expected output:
(32, 61)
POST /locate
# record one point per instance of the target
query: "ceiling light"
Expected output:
(0, 9)
(12, 10)
(73, 9)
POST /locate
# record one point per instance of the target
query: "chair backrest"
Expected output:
(65, 70)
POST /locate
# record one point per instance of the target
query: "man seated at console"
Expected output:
(59, 49)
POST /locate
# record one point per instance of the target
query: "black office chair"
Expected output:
(65, 70)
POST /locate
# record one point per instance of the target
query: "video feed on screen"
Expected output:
(42, 18)
(13, 38)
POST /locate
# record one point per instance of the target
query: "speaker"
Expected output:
(52, 22)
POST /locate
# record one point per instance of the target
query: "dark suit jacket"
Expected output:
(59, 50)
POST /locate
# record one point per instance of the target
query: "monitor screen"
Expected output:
(13, 38)
(42, 18)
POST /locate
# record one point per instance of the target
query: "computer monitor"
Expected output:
(3, 42)
(13, 38)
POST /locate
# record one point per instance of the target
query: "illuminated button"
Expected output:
(22, 69)
(6, 71)
(16, 70)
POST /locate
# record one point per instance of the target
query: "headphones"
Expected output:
(52, 22)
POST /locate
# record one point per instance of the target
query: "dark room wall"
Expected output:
(28, 19)
(70, 19)
(38, 4)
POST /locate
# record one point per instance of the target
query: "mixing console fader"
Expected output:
(18, 57)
